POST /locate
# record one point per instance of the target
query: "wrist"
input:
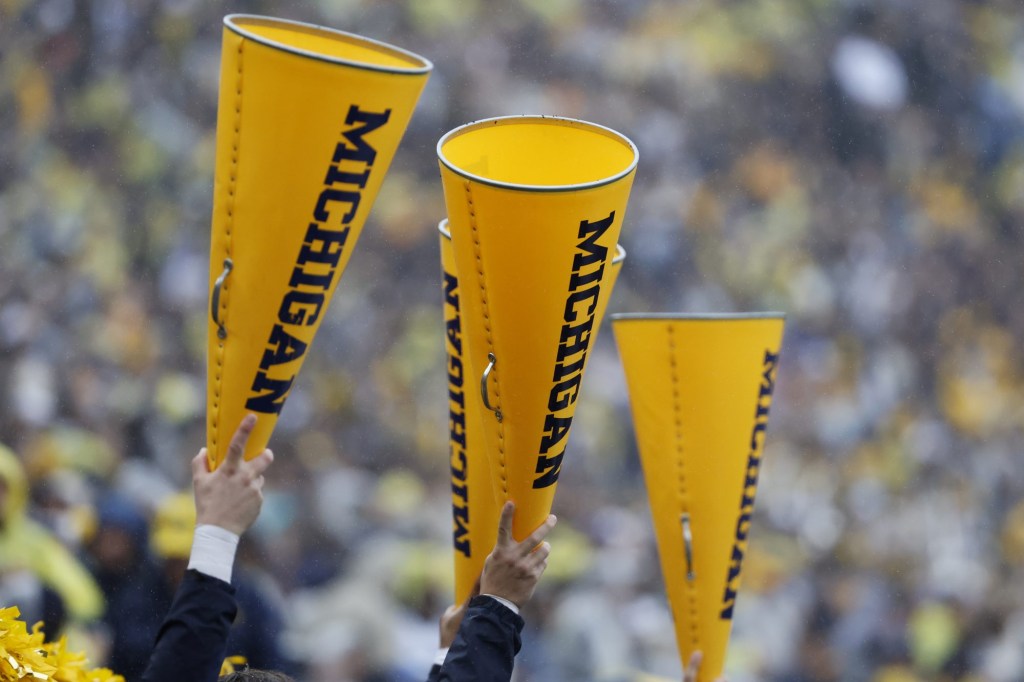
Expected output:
(213, 551)
(507, 603)
(219, 523)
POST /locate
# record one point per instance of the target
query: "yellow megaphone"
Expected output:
(475, 510)
(535, 206)
(700, 388)
(308, 121)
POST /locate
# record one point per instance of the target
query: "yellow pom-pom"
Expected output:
(228, 666)
(25, 656)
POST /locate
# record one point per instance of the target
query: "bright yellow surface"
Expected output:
(612, 270)
(474, 510)
(280, 122)
(328, 43)
(536, 151)
(514, 252)
(695, 388)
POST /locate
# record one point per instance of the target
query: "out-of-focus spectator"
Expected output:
(131, 581)
(34, 562)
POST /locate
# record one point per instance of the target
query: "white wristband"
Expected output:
(505, 602)
(213, 552)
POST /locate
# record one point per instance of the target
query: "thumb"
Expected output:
(200, 464)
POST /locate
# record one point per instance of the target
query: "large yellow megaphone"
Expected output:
(475, 509)
(308, 121)
(535, 206)
(700, 388)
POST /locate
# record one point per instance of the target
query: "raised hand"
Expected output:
(512, 569)
(231, 496)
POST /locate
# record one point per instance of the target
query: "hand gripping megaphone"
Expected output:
(535, 206)
(308, 121)
(700, 388)
(475, 506)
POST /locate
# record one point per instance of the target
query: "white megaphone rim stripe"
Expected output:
(418, 65)
(698, 317)
(542, 119)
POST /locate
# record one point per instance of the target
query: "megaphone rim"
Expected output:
(427, 66)
(545, 118)
(698, 317)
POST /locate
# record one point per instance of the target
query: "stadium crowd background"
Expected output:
(858, 165)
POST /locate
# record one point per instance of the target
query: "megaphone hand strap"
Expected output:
(684, 500)
(484, 393)
(684, 520)
(220, 288)
(222, 332)
(478, 254)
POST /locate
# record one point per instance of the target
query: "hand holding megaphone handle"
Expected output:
(483, 386)
(222, 333)
(688, 546)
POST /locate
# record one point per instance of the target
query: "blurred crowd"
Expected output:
(856, 164)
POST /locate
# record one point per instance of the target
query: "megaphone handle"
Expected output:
(688, 546)
(215, 299)
(483, 385)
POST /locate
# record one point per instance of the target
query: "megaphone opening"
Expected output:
(538, 153)
(326, 44)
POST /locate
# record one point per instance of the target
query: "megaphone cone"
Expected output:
(535, 206)
(475, 509)
(308, 121)
(700, 388)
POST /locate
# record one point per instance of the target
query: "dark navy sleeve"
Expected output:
(191, 642)
(486, 645)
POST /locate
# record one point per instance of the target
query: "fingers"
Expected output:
(236, 449)
(200, 464)
(694, 667)
(541, 552)
(537, 537)
(261, 463)
(505, 523)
